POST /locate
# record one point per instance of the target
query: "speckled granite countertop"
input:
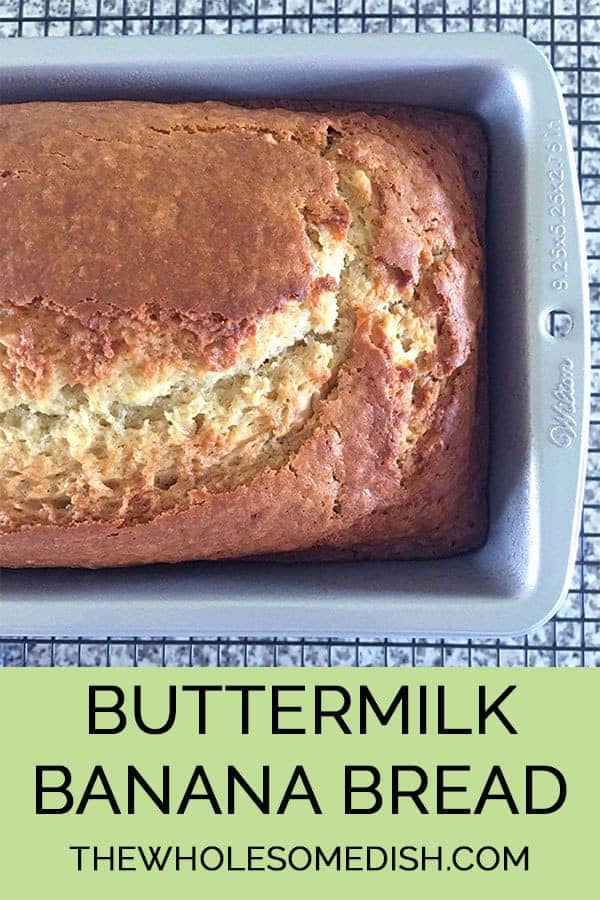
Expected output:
(568, 32)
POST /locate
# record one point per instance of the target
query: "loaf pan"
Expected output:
(538, 382)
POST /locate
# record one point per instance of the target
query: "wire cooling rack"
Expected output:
(568, 31)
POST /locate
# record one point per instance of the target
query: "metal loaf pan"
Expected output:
(538, 383)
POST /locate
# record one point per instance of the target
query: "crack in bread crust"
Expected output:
(127, 416)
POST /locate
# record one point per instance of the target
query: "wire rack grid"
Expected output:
(568, 32)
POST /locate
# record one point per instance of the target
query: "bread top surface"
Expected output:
(125, 206)
(122, 206)
(199, 300)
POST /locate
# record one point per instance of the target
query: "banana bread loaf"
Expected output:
(229, 331)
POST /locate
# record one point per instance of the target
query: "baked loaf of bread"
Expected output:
(229, 331)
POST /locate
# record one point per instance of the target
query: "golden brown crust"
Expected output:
(79, 175)
(389, 459)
